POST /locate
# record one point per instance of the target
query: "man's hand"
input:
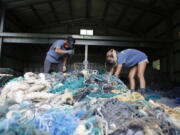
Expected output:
(70, 52)
(60, 51)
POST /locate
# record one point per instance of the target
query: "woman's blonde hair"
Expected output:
(112, 53)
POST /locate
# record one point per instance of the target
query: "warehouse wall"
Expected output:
(176, 49)
(36, 54)
(37, 66)
(25, 58)
(169, 57)
(13, 57)
(161, 31)
(13, 63)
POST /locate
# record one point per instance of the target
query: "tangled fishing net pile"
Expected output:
(81, 103)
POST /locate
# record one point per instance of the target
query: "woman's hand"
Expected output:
(64, 69)
(118, 70)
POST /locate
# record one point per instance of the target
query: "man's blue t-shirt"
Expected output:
(131, 57)
(52, 56)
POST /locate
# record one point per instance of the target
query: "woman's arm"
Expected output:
(118, 70)
(111, 71)
(65, 60)
(64, 63)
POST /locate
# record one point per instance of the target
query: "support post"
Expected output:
(2, 17)
(86, 58)
(171, 60)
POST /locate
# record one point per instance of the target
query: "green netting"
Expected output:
(102, 95)
(153, 97)
(4, 80)
(101, 70)
(71, 83)
(17, 79)
(74, 83)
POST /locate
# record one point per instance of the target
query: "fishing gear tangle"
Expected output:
(81, 103)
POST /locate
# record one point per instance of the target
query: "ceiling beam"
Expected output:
(2, 17)
(25, 3)
(14, 21)
(11, 15)
(57, 24)
(37, 14)
(88, 8)
(2, 22)
(9, 1)
(70, 8)
(140, 6)
(121, 15)
(27, 41)
(53, 10)
(106, 9)
(81, 20)
(80, 37)
(142, 14)
(169, 28)
(137, 19)
(159, 21)
(162, 34)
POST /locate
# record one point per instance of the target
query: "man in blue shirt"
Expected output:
(58, 54)
(129, 58)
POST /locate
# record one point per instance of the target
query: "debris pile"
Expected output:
(81, 103)
(160, 82)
